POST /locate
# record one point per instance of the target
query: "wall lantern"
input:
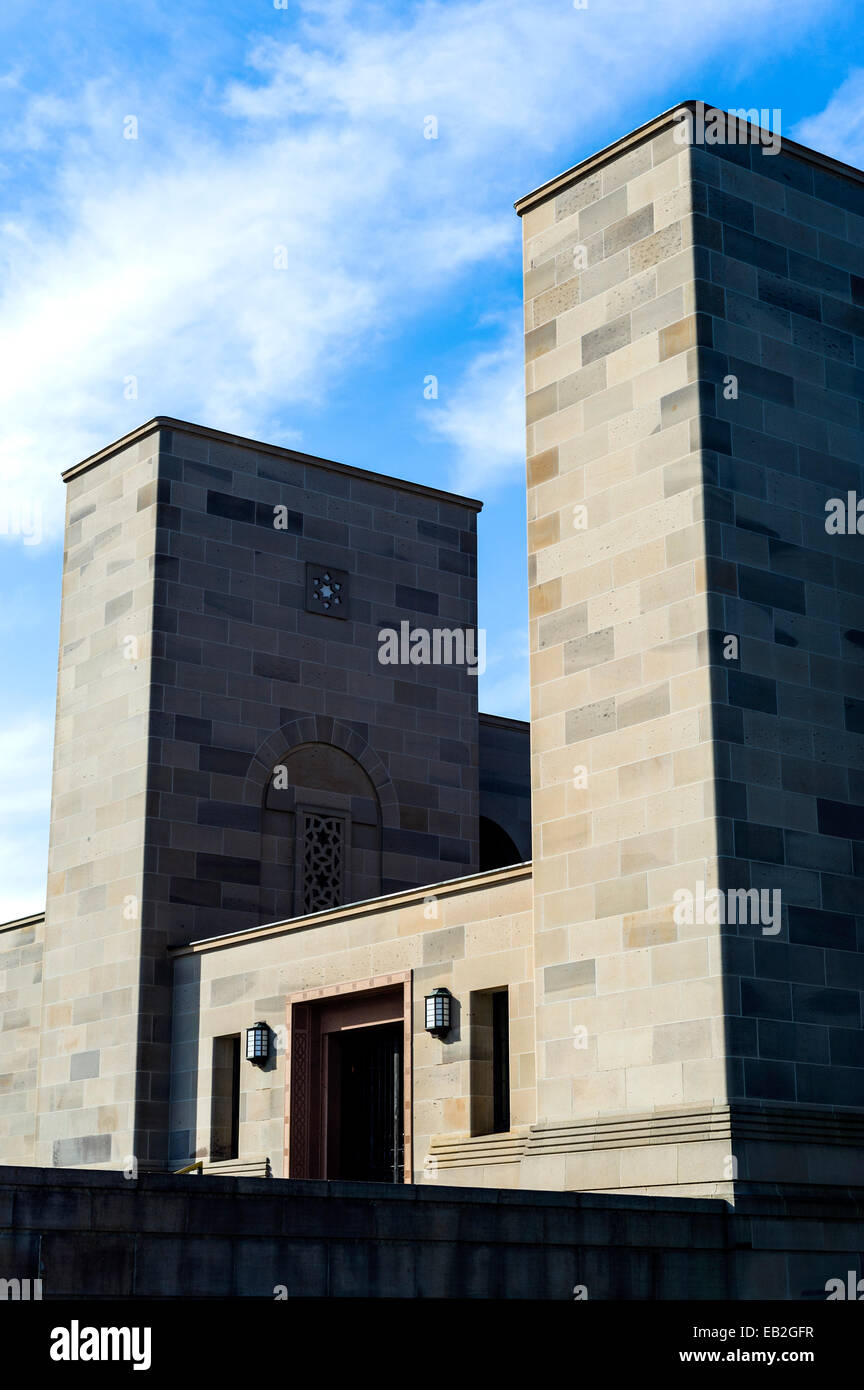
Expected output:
(438, 1012)
(257, 1044)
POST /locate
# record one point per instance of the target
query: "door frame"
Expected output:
(305, 1125)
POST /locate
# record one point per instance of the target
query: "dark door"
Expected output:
(370, 1103)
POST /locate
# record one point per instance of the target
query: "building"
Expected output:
(258, 819)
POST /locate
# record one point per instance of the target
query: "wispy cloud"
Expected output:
(839, 129)
(25, 778)
(249, 254)
(483, 419)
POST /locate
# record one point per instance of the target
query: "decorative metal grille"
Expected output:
(323, 861)
(326, 591)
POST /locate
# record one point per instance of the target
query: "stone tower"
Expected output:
(223, 718)
(694, 300)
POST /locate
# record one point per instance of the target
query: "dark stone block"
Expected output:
(784, 294)
(741, 1036)
(276, 668)
(261, 1267)
(792, 1042)
(232, 508)
(233, 762)
(225, 869)
(840, 314)
(830, 1006)
(766, 999)
(842, 818)
(415, 695)
(191, 892)
(455, 851)
(812, 927)
(843, 193)
(743, 246)
(765, 1080)
(416, 600)
(772, 590)
(854, 715)
(192, 730)
(229, 816)
(847, 1047)
(752, 692)
(818, 274)
(728, 724)
(83, 1264)
(841, 893)
(777, 960)
(832, 1085)
(412, 842)
(726, 208)
(185, 1267)
(762, 842)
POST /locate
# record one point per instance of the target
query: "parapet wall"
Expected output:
(98, 1235)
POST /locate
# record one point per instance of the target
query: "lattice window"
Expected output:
(323, 861)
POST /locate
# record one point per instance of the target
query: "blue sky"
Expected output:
(262, 126)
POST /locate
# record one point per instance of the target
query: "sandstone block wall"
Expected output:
(21, 947)
(469, 936)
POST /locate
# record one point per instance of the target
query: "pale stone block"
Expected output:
(654, 1087)
(705, 1079)
(593, 1171)
(632, 970)
(614, 677)
(572, 905)
(627, 362)
(649, 1165)
(617, 1051)
(600, 1094)
(617, 823)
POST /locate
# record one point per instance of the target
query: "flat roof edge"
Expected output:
(31, 920)
(504, 721)
(653, 127)
(168, 422)
(488, 878)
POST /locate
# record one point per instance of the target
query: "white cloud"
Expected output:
(839, 129)
(25, 779)
(153, 258)
(483, 419)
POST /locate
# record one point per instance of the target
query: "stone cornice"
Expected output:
(655, 127)
(167, 422)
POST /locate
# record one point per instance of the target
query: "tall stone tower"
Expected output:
(694, 300)
(230, 748)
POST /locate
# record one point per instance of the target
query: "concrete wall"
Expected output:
(468, 935)
(88, 1235)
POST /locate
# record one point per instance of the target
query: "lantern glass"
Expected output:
(438, 1011)
(257, 1043)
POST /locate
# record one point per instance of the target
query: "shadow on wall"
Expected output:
(185, 1063)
